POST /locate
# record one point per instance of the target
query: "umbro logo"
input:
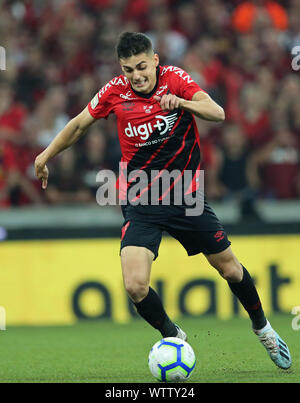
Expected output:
(219, 235)
(128, 106)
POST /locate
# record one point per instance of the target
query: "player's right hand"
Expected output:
(41, 171)
(168, 102)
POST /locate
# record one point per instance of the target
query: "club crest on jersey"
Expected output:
(162, 124)
(148, 108)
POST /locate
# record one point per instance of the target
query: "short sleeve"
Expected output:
(100, 106)
(182, 84)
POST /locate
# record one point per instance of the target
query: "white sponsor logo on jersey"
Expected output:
(127, 96)
(179, 72)
(163, 124)
(114, 82)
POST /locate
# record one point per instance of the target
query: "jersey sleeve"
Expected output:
(101, 106)
(182, 84)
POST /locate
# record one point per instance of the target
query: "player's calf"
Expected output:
(241, 284)
(136, 268)
(246, 292)
(152, 310)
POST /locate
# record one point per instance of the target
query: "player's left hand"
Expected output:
(168, 102)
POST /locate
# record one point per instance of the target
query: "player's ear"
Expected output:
(156, 59)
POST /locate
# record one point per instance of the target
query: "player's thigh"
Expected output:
(139, 247)
(136, 262)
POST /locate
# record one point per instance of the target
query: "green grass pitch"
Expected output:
(226, 351)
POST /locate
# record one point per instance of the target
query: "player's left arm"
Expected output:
(201, 105)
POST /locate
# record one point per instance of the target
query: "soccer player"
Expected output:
(154, 106)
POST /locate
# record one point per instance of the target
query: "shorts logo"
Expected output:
(124, 229)
(163, 124)
(219, 236)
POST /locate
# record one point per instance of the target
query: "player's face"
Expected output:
(141, 71)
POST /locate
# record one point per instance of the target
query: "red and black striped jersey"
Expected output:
(152, 139)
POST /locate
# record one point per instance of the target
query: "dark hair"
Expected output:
(133, 43)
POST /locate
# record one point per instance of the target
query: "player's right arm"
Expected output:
(71, 133)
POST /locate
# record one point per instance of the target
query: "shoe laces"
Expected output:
(269, 341)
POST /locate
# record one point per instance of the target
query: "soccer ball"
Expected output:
(171, 360)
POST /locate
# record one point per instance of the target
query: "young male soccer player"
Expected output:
(154, 106)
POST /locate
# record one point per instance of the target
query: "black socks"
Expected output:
(152, 310)
(246, 292)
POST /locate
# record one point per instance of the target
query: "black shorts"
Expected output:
(144, 226)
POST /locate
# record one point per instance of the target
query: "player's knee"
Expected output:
(231, 271)
(228, 267)
(137, 290)
(232, 274)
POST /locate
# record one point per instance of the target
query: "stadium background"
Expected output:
(59, 249)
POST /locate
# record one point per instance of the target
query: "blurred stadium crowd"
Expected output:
(61, 52)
